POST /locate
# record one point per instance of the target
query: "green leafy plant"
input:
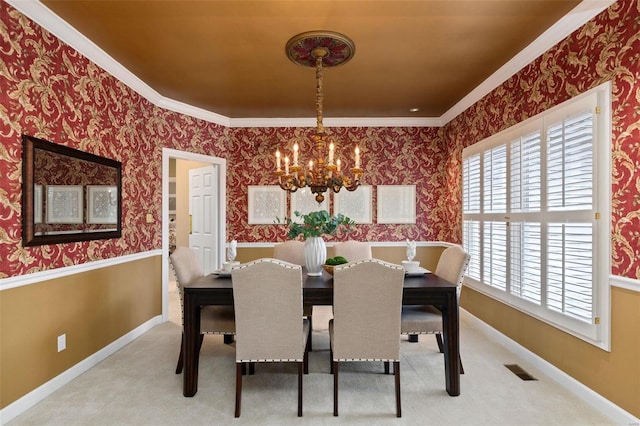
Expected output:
(338, 260)
(317, 224)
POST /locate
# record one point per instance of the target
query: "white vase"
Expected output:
(315, 253)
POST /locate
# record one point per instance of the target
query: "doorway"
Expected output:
(219, 168)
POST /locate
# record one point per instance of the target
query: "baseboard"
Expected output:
(594, 399)
(32, 398)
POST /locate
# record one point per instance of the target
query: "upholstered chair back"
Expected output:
(367, 302)
(186, 265)
(353, 250)
(291, 251)
(452, 265)
(267, 297)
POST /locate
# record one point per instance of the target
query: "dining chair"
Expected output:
(367, 302)
(427, 319)
(267, 296)
(292, 251)
(213, 319)
(353, 250)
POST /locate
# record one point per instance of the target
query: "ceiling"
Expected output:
(228, 57)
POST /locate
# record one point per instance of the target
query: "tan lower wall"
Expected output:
(428, 256)
(92, 308)
(614, 375)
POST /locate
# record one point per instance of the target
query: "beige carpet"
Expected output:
(137, 386)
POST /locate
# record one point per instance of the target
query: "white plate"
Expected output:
(419, 271)
(222, 273)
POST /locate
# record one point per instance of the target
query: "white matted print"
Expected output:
(64, 204)
(102, 204)
(356, 205)
(304, 201)
(396, 204)
(266, 204)
(37, 203)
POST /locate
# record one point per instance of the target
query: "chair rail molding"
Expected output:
(37, 277)
(373, 244)
(624, 282)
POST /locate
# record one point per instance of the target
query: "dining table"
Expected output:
(418, 289)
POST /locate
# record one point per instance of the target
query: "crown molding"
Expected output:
(338, 122)
(44, 17)
(190, 110)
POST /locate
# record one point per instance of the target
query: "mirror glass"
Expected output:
(68, 195)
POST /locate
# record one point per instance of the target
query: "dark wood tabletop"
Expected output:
(424, 289)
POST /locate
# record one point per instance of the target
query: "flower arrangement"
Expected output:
(317, 224)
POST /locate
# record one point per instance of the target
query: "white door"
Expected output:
(203, 211)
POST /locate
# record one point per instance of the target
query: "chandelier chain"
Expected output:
(319, 95)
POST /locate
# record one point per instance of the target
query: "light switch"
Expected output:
(62, 342)
(149, 218)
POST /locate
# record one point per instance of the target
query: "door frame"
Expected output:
(167, 154)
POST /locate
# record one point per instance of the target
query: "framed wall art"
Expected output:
(304, 201)
(356, 205)
(102, 204)
(37, 203)
(64, 204)
(266, 204)
(396, 204)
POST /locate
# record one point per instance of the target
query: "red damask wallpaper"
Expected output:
(51, 91)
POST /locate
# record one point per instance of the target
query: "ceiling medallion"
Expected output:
(319, 49)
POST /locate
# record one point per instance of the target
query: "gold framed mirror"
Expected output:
(68, 195)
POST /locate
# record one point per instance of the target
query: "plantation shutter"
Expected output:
(570, 189)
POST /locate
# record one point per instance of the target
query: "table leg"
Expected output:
(451, 331)
(191, 346)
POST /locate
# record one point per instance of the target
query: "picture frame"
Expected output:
(396, 204)
(266, 203)
(37, 203)
(356, 205)
(64, 204)
(304, 201)
(102, 204)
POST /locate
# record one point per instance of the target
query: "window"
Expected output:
(535, 216)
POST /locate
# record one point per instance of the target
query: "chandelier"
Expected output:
(326, 172)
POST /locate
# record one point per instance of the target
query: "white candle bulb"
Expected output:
(295, 154)
(357, 157)
(286, 165)
(338, 164)
(331, 153)
(310, 165)
(278, 160)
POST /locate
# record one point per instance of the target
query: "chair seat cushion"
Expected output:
(217, 320)
(421, 320)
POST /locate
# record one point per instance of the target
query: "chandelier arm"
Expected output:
(353, 186)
